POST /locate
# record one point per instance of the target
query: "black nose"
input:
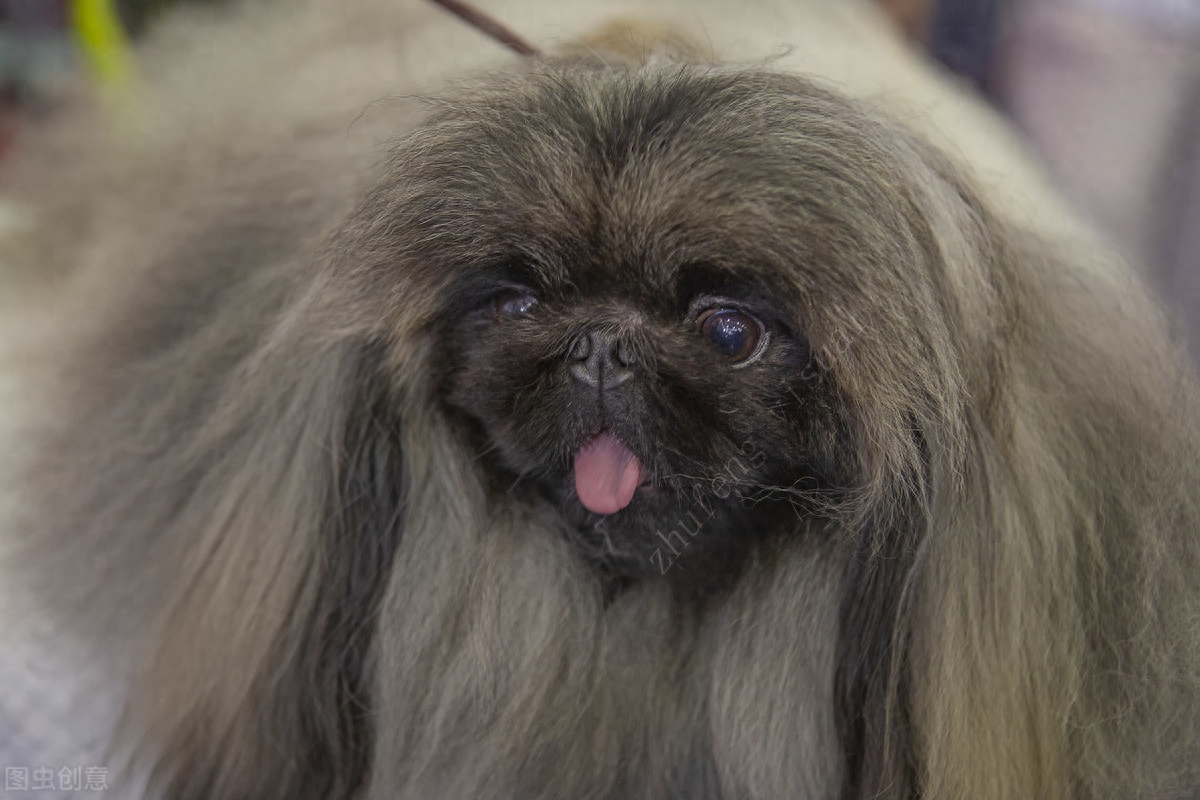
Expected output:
(602, 358)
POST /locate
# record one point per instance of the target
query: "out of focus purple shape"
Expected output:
(1109, 92)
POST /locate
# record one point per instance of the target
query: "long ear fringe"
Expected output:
(265, 664)
(1019, 617)
(260, 492)
(1054, 628)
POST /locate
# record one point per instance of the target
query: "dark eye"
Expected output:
(514, 303)
(733, 333)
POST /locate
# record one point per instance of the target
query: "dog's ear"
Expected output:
(258, 685)
(221, 493)
(913, 414)
(1033, 491)
(1027, 567)
(1043, 587)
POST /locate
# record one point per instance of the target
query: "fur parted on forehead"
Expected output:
(599, 176)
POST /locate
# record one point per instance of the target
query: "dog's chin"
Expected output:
(691, 538)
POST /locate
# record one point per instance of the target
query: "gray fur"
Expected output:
(248, 488)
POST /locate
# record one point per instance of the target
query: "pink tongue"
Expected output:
(606, 475)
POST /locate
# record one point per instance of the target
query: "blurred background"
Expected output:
(1108, 91)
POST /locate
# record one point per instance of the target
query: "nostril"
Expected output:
(624, 354)
(582, 348)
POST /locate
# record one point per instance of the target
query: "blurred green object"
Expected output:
(101, 37)
(44, 42)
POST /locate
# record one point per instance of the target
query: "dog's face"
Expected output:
(629, 274)
(643, 397)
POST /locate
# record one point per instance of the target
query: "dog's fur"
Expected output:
(274, 473)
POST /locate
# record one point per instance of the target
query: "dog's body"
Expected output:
(302, 457)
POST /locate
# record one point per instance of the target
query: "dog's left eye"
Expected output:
(733, 333)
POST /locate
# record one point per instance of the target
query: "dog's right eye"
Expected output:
(514, 303)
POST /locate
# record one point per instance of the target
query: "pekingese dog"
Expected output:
(606, 427)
